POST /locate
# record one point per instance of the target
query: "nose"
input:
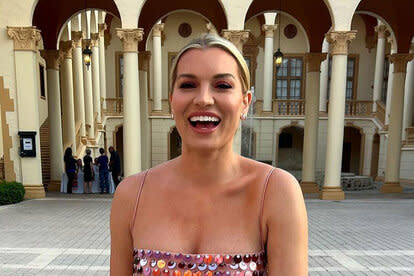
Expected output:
(204, 96)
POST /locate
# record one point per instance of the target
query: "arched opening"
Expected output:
(175, 144)
(351, 151)
(119, 143)
(375, 156)
(290, 148)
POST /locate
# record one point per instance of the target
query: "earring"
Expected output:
(243, 116)
(172, 115)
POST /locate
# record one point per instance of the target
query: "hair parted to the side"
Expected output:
(206, 41)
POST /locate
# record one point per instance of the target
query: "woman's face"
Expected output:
(207, 99)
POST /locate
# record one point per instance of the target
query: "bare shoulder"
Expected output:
(283, 187)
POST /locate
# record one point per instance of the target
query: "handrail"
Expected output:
(294, 107)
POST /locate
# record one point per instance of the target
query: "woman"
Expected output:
(216, 210)
(88, 172)
(70, 168)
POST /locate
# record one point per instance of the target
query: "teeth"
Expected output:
(204, 119)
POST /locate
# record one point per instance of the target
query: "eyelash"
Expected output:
(187, 85)
(219, 85)
(224, 85)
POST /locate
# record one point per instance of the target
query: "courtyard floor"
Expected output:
(367, 234)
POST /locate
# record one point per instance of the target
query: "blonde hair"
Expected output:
(207, 41)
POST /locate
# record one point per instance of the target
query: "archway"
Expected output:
(290, 148)
(174, 144)
(119, 143)
(375, 156)
(351, 151)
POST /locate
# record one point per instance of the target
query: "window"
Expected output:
(385, 81)
(119, 61)
(42, 81)
(351, 69)
(289, 82)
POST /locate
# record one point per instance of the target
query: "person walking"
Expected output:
(103, 171)
(114, 165)
(88, 172)
(70, 168)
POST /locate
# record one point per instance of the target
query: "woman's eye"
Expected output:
(223, 85)
(187, 85)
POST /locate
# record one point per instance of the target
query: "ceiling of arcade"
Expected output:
(313, 15)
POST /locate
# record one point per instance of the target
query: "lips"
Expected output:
(204, 122)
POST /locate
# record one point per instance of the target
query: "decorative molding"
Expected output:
(157, 30)
(77, 38)
(144, 60)
(269, 30)
(25, 38)
(400, 62)
(339, 41)
(95, 39)
(313, 61)
(130, 38)
(101, 29)
(238, 38)
(381, 31)
(52, 58)
(65, 47)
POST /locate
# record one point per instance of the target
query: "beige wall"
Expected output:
(114, 46)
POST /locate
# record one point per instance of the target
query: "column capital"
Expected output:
(339, 41)
(130, 38)
(52, 58)
(101, 29)
(143, 60)
(381, 31)
(313, 61)
(400, 62)
(95, 39)
(77, 38)
(157, 30)
(237, 37)
(65, 48)
(25, 38)
(269, 30)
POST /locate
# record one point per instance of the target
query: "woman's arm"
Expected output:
(121, 215)
(287, 226)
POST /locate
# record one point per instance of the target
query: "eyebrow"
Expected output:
(218, 76)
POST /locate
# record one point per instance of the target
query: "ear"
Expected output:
(247, 99)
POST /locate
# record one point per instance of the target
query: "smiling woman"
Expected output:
(210, 210)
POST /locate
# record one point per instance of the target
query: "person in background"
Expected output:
(114, 165)
(88, 172)
(103, 171)
(70, 168)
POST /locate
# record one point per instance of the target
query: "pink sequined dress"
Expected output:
(153, 262)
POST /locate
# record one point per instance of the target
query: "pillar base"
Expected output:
(391, 187)
(309, 187)
(332, 193)
(34, 191)
(54, 186)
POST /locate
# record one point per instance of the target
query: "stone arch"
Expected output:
(290, 147)
(353, 149)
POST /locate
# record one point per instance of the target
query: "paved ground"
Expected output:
(367, 234)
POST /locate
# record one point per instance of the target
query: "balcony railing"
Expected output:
(289, 107)
(358, 108)
(114, 106)
(380, 114)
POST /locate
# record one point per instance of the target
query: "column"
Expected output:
(102, 64)
(323, 97)
(27, 103)
(313, 65)
(408, 97)
(392, 170)
(339, 41)
(268, 67)
(78, 88)
(52, 58)
(87, 84)
(238, 38)
(157, 77)
(144, 59)
(368, 143)
(390, 85)
(132, 124)
(96, 83)
(68, 109)
(379, 64)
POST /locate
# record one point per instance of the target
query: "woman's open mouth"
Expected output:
(204, 122)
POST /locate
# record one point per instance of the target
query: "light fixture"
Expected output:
(87, 56)
(278, 55)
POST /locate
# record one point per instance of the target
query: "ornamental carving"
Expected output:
(52, 58)
(65, 48)
(269, 30)
(400, 62)
(130, 38)
(381, 31)
(77, 38)
(313, 61)
(101, 29)
(25, 38)
(95, 39)
(238, 38)
(157, 30)
(339, 41)
(143, 60)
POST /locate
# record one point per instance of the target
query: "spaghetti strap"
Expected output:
(262, 206)
(141, 185)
